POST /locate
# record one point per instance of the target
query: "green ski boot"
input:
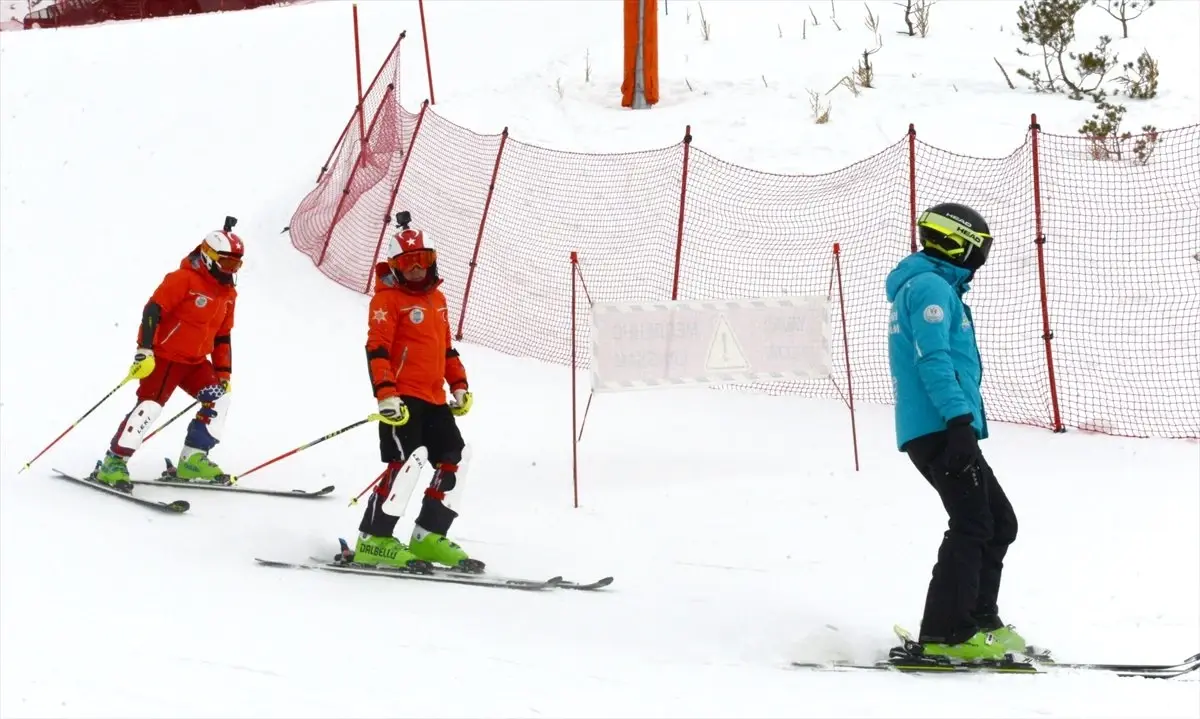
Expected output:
(1008, 638)
(437, 549)
(113, 472)
(374, 551)
(980, 647)
(200, 469)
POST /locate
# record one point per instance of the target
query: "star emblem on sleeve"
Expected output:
(379, 315)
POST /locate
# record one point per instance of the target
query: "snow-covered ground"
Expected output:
(739, 535)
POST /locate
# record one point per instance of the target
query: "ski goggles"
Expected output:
(225, 263)
(406, 261)
(972, 247)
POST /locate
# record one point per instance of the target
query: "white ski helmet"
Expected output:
(222, 252)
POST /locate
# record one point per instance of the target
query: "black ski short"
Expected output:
(965, 586)
(429, 425)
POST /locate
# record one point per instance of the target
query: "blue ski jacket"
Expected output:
(935, 364)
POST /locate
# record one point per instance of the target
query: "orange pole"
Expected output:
(650, 51)
(629, 73)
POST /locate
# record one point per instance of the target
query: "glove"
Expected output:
(225, 383)
(392, 411)
(461, 404)
(962, 447)
(143, 363)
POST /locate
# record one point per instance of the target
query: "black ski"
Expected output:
(179, 506)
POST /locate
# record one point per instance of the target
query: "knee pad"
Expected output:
(402, 482)
(129, 436)
(205, 430)
(213, 413)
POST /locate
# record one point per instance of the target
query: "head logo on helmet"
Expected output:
(957, 233)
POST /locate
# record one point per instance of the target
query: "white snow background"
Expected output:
(738, 532)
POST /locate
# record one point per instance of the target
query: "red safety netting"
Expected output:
(1087, 310)
(69, 13)
(353, 189)
(1123, 280)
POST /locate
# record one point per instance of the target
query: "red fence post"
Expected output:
(395, 191)
(337, 211)
(394, 53)
(837, 263)
(462, 313)
(358, 75)
(1040, 240)
(687, 146)
(574, 393)
(425, 39)
(912, 185)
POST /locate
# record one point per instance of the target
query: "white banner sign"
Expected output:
(709, 342)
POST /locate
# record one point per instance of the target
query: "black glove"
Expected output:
(962, 447)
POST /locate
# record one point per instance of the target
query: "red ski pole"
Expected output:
(74, 424)
(290, 452)
(369, 487)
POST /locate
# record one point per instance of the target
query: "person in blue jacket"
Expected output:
(936, 373)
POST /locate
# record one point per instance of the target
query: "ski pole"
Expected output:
(163, 426)
(369, 487)
(111, 392)
(331, 435)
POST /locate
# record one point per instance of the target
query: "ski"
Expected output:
(561, 584)
(907, 658)
(345, 555)
(303, 493)
(918, 665)
(479, 580)
(475, 574)
(178, 506)
(226, 483)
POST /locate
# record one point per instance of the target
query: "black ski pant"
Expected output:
(431, 426)
(963, 592)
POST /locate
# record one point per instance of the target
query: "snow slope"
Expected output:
(737, 529)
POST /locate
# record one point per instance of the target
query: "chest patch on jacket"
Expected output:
(416, 315)
(201, 300)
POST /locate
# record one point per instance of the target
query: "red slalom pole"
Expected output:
(362, 130)
(425, 39)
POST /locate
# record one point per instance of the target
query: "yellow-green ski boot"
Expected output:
(113, 472)
(437, 549)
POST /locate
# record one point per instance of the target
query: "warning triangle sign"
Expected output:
(724, 352)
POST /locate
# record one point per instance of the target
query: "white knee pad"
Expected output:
(406, 481)
(216, 425)
(454, 497)
(139, 420)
